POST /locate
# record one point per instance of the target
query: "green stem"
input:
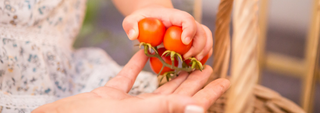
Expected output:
(165, 63)
(160, 70)
(172, 61)
(161, 79)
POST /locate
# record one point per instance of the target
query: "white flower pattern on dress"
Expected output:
(37, 62)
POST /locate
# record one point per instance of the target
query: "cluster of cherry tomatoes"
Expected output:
(152, 33)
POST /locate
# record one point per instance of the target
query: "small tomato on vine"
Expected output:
(172, 40)
(203, 61)
(156, 64)
(151, 31)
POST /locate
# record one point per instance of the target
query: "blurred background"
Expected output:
(288, 25)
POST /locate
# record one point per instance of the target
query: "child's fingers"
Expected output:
(130, 25)
(199, 42)
(210, 52)
(180, 18)
(188, 24)
(208, 45)
(168, 16)
(192, 30)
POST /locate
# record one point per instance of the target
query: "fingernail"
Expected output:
(187, 40)
(193, 109)
(131, 34)
(226, 83)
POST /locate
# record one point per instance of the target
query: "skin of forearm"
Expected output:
(126, 7)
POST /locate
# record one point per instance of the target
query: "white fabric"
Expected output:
(37, 62)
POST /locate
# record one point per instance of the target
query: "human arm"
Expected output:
(135, 10)
(181, 94)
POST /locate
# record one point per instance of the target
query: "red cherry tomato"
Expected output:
(172, 40)
(204, 59)
(156, 65)
(151, 31)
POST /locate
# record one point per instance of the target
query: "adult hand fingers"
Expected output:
(51, 107)
(126, 77)
(195, 81)
(166, 104)
(211, 92)
(172, 85)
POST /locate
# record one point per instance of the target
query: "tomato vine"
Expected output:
(195, 63)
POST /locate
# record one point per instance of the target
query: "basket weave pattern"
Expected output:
(264, 100)
(244, 95)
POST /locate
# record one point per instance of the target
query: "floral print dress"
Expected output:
(37, 62)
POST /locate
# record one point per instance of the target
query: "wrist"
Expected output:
(158, 6)
(153, 5)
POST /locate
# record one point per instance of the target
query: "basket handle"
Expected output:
(221, 49)
(244, 68)
(244, 54)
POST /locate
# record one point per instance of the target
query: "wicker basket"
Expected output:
(244, 95)
(263, 100)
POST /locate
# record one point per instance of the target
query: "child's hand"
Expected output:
(192, 30)
(179, 95)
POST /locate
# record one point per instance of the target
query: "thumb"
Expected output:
(130, 25)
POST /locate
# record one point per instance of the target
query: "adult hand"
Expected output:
(184, 93)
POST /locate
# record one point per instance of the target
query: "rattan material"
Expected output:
(244, 64)
(263, 100)
(221, 49)
(244, 96)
